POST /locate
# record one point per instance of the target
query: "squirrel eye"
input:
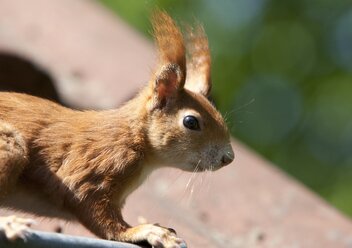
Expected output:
(191, 122)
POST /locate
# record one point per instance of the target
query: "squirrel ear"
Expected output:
(198, 63)
(171, 70)
(168, 82)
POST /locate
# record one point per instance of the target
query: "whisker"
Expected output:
(208, 176)
(172, 183)
(227, 114)
(242, 106)
(191, 182)
(192, 175)
(184, 192)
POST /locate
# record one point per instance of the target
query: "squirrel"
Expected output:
(84, 164)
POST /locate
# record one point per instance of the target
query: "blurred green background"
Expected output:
(282, 73)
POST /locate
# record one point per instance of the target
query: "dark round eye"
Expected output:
(191, 122)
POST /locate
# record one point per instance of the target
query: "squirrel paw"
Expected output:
(15, 228)
(161, 237)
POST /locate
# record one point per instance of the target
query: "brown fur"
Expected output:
(199, 61)
(87, 162)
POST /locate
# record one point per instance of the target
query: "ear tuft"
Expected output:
(170, 74)
(169, 41)
(198, 62)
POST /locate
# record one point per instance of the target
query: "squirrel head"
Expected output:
(184, 128)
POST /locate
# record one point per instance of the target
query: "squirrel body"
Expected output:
(84, 164)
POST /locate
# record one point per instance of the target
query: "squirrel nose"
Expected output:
(227, 158)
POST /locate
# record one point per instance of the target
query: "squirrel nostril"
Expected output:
(226, 159)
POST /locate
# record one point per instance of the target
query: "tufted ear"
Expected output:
(170, 74)
(198, 65)
(167, 83)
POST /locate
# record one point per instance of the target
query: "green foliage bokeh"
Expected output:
(282, 73)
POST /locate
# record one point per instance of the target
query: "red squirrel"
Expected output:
(86, 163)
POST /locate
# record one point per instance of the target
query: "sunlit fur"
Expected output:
(86, 163)
(186, 148)
(198, 63)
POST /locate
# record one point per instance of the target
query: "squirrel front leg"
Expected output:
(95, 189)
(105, 220)
(13, 159)
(102, 217)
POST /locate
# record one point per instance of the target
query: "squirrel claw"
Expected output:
(14, 227)
(157, 236)
(161, 237)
